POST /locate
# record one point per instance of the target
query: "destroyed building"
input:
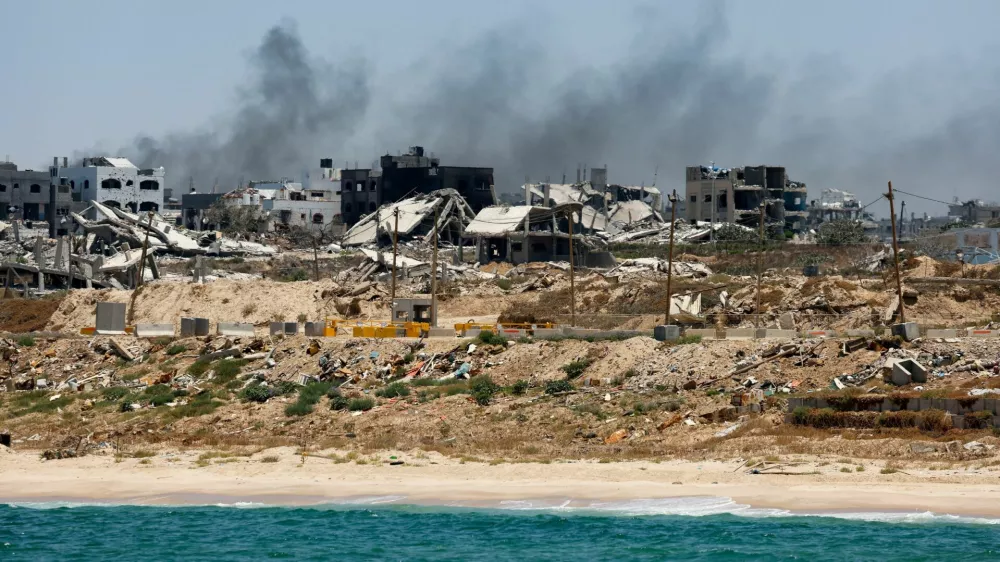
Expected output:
(735, 195)
(606, 207)
(115, 182)
(527, 233)
(34, 196)
(285, 204)
(364, 190)
(413, 218)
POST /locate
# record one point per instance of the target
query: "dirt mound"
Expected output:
(26, 315)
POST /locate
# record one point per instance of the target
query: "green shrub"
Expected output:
(408, 358)
(482, 389)
(202, 404)
(114, 393)
(298, 409)
(360, 404)
(255, 393)
(333, 392)
(285, 387)
(198, 368)
(393, 390)
(557, 387)
(175, 349)
(26, 341)
(687, 340)
(339, 402)
(504, 283)
(227, 369)
(489, 338)
(519, 387)
(575, 368)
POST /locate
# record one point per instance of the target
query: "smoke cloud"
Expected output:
(668, 103)
(295, 107)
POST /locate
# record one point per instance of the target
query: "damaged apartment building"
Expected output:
(113, 182)
(34, 196)
(366, 189)
(737, 195)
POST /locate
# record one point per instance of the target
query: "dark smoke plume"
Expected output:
(295, 108)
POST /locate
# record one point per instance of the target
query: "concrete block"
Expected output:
(582, 332)
(441, 333)
(110, 318)
(952, 407)
(201, 326)
(235, 329)
(990, 405)
(819, 334)
(187, 327)
(909, 331)
(740, 333)
(974, 333)
(905, 371)
(860, 333)
(474, 333)
(936, 333)
(276, 328)
(154, 330)
(925, 404)
(958, 422)
(291, 328)
(545, 333)
(314, 329)
(667, 333)
(786, 321)
(776, 334)
(706, 334)
(513, 333)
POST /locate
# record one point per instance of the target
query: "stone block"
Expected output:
(909, 331)
(110, 318)
(740, 333)
(925, 404)
(201, 327)
(974, 333)
(441, 333)
(276, 328)
(546, 333)
(958, 422)
(187, 327)
(235, 329)
(820, 334)
(990, 404)
(905, 371)
(860, 333)
(154, 330)
(315, 329)
(786, 321)
(667, 333)
(776, 334)
(937, 333)
(291, 328)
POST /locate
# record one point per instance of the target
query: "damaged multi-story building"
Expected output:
(366, 189)
(34, 196)
(737, 195)
(115, 182)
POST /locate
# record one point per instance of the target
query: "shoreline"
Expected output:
(179, 479)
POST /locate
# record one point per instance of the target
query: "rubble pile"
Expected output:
(412, 219)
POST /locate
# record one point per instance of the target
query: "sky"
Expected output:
(846, 94)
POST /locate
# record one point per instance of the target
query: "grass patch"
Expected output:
(176, 349)
(576, 368)
(489, 338)
(202, 404)
(393, 390)
(26, 341)
(255, 393)
(360, 404)
(269, 458)
(199, 368)
(309, 396)
(40, 404)
(519, 388)
(558, 387)
(227, 369)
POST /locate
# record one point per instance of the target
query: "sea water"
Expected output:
(391, 529)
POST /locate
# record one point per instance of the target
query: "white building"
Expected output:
(289, 204)
(116, 182)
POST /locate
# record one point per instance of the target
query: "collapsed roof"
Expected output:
(414, 218)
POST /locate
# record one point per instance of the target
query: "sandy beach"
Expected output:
(286, 478)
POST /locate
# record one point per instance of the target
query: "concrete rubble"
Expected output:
(413, 219)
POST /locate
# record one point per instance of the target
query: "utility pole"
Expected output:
(142, 264)
(395, 240)
(572, 286)
(760, 253)
(434, 263)
(670, 255)
(895, 254)
(711, 233)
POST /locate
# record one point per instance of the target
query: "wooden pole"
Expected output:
(142, 265)
(760, 252)
(895, 254)
(572, 285)
(670, 255)
(434, 262)
(395, 242)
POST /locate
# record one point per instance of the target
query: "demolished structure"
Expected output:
(413, 218)
(527, 233)
(738, 195)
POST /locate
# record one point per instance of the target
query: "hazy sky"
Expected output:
(845, 94)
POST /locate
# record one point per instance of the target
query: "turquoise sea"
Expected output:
(385, 529)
